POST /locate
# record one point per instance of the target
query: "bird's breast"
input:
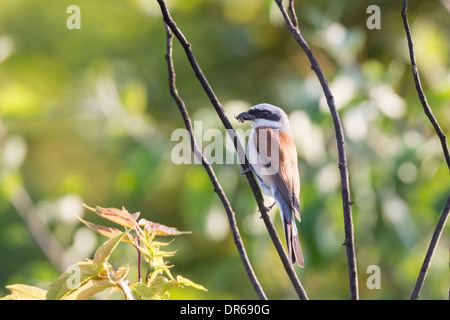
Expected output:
(265, 181)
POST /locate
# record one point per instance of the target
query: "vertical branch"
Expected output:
(421, 93)
(217, 187)
(429, 113)
(292, 24)
(240, 151)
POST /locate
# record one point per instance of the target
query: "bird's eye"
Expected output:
(265, 113)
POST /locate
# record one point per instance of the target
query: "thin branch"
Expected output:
(241, 154)
(292, 24)
(291, 9)
(430, 252)
(217, 187)
(429, 113)
(421, 93)
(49, 245)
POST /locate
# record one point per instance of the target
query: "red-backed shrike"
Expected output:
(273, 159)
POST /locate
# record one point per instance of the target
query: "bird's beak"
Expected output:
(244, 116)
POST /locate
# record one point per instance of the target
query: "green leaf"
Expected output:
(186, 282)
(89, 289)
(161, 284)
(143, 291)
(81, 281)
(75, 277)
(103, 253)
(25, 292)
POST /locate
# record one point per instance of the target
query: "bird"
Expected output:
(273, 160)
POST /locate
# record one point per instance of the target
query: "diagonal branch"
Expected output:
(430, 252)
(212, 176)
(49, 245)
(292, 24)
(429, 113)
(241, 154)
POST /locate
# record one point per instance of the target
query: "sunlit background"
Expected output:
(86, 117)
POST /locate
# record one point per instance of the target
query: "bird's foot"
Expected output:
(246, 170)
(267, 209)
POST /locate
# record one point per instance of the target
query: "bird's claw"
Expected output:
(267, 209)
(246, 170)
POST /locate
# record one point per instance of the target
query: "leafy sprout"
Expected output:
(87, 278)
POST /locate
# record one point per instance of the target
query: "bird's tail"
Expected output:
(290, 231)
(293, 243)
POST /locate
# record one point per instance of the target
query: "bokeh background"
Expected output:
(86, 117)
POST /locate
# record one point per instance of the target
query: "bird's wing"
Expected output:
(280, 164)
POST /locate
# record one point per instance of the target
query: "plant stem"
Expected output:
(139, 259)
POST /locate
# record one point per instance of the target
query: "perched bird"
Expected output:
(273, 159)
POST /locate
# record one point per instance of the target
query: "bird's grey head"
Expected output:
(265, 115)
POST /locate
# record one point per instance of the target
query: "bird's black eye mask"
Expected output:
(264, 114)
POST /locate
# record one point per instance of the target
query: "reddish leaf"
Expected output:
(160, 229)
(107, 231)
(122, 217)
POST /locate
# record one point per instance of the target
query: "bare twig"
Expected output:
(230, 130)
(430, 252)
(49, 245)
(291, 9)
(422, 97)
(217, 187)
(429, 113)
(292, 24)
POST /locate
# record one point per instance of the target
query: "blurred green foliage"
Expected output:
(86, 116)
